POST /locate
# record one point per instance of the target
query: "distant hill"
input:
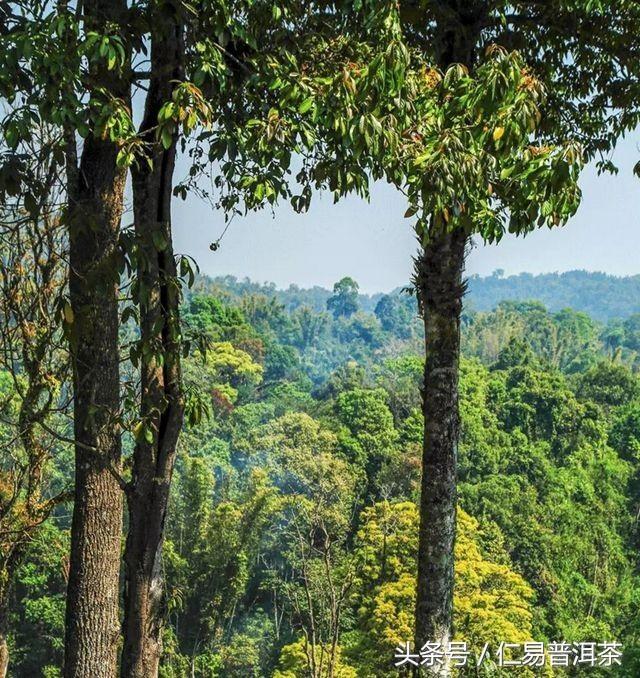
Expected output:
(291, 297)
(604, 297)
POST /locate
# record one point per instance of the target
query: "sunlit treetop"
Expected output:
(586, 52)
(462, 145)
(471, 161)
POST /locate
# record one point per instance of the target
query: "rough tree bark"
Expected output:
(96, 190)
(162, 403)
(439, 271)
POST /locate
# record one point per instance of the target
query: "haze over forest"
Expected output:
(603, 296)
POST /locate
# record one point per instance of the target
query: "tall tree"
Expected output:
(253, 93)
(158, 295)
(67, 65)
(95, 196)
(344, 300)
(591, 92)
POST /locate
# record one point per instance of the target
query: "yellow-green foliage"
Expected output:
(492, 602)
(225, 366)
(222, 372)
(295, 659)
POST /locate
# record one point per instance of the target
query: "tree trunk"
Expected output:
(4, 645)
(92, 598)
(162, 401)
(96, 191)
(439, 269)
(4, 656)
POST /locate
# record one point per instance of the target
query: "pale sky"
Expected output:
(373, 243)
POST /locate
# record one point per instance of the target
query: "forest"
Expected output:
(603, 297)
(298, 418)
(214, 478)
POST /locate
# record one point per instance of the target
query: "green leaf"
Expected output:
(167, 138)
(104, 47)
(507, 172)
(306, 105)
(138, 432)
(159, 241)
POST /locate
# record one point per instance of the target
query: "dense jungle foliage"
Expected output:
(294, 505)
